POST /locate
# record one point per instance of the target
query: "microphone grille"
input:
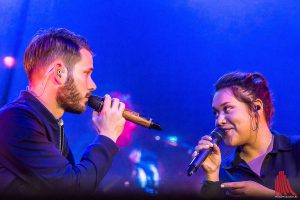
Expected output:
(96, 102)
(220, 131)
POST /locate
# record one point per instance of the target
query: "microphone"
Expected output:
(96, 102)
(217, 135)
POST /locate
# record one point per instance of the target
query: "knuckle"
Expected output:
(107, 96)
(204, 142)
(203, 146)
(205, 137)
(116, 100)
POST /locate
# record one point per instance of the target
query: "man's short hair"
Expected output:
(48, 45)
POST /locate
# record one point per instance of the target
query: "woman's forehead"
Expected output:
(223, 96)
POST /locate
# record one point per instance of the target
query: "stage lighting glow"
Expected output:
(142, 177)
(147, 177)
(126, 137)
(157, 137)
(9, 61)
(154, 170)
(172, 140)
(126, 183)
(135, 156)
(145, 173)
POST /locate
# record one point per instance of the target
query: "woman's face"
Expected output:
(233, 116)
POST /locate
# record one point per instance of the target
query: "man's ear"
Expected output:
(60, 73)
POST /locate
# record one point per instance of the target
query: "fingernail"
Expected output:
(222, 186)
(211, 144)
(207, 145)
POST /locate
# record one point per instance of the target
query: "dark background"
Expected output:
(162, 57)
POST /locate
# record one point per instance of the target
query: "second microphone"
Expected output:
(217, 136)
(96, 102)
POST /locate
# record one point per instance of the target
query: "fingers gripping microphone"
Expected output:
(96, 103)
(217, 135)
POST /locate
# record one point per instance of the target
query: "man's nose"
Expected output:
(92, 85)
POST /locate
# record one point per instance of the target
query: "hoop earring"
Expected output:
(255, 118)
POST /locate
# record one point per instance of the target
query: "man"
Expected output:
(34, 154)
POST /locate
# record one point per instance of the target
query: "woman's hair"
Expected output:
(248, 87)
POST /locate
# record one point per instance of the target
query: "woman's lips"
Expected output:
(228, 130)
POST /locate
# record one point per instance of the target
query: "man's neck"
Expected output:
(48, 100)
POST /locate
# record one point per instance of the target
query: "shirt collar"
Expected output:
(281, 143)
(38, 106)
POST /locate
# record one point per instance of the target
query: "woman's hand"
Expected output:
(247, 188)
(211, 165)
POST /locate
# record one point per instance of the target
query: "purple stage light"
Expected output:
(126, 137)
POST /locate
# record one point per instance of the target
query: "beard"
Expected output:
(68, 97)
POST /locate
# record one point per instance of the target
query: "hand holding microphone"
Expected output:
(96, 102)
(110, 121)
(203, 155)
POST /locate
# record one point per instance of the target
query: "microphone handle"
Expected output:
(217, 136)
(96, 102)
(136, 118)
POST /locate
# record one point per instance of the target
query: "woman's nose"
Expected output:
(221, 120)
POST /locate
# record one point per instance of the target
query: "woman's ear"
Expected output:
(258, 105)
(256, 114)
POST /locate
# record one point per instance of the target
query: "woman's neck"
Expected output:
(258, 144)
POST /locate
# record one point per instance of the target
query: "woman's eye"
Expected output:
(215, 114)
(227, 109)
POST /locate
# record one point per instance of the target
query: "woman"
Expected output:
(243, 107)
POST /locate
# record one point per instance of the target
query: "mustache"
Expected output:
(88, 95)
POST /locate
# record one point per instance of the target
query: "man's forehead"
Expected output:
(86, 61)
(85, 52)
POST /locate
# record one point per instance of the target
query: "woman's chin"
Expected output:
(229, 142)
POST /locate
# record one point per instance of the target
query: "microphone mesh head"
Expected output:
(96, 102)
(219, 131)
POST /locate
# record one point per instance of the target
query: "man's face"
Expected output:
(73, 95)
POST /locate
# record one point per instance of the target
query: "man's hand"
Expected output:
(247, 188)
(110, 122)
